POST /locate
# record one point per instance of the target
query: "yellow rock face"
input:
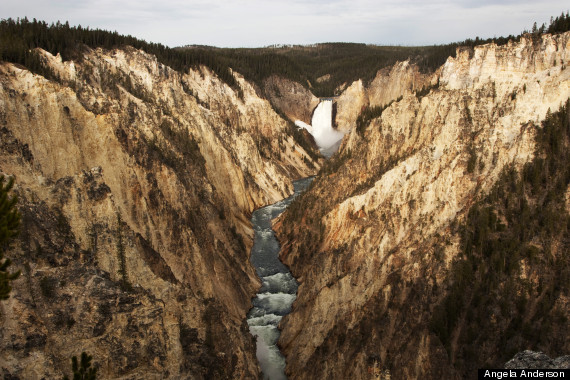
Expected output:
(136, 184)
(362, 244)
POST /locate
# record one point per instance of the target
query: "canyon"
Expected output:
(137, 183)
(375, 242)
(278, 290)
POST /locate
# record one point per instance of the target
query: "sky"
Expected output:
(257, 23)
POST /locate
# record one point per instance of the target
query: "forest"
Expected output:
(521, 223)
(323, 68)
(19, 37)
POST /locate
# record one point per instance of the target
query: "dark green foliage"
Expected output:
(9, 223)
(348, 62)
(435, 56)
(559, 24)
(18, 37)
(344, 62)
(370, 113)
(82, 369)
(523, 219)
(258, 64)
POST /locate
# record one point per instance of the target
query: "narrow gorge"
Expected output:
(278, 289)
(135, 183)
(186, 217)
(420, 248)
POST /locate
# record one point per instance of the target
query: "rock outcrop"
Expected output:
(389, 84)
(375, 244)
(136, 184)
(537, 360)
(291, 98)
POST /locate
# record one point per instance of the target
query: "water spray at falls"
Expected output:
(327, 138)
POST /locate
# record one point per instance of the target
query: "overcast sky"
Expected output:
(255, 23)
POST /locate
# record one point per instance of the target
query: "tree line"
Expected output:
(344, 62)
(436, 55)
(19, 37)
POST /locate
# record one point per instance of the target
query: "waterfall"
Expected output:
(327, 138)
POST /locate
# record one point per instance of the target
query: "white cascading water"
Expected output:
(278, 289)
(327, 138)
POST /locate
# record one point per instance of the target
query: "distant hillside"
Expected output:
(322, 68)
(325, 67)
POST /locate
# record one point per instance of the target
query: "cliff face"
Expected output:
(136, 184)
(389, 84)
(298, 103)
(294, 100)
(375, 242)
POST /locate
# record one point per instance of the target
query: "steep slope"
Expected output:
(136, 184)
(294, 100)
(376, 242)
(389, 84)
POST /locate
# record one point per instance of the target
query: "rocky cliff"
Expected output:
(291, 98)
(388, 85)
(136, 183)
(537, 360)
(391, 242)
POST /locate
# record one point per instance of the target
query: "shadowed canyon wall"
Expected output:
(387, 279)
(136, 184)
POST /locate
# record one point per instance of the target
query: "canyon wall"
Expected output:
(377, 243)
(135, 185)
(389, 84)
(291, 98)
(298, 103)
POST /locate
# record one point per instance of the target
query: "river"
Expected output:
(278, 289)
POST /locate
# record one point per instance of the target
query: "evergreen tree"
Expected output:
(9, 222)
(82, 370)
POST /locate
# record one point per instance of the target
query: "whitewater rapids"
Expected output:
(278, 289)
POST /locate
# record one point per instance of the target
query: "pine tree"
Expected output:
(82, 370)
(9, 223)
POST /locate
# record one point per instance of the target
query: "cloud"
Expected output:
(265, 22)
